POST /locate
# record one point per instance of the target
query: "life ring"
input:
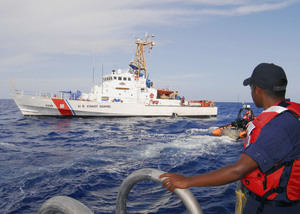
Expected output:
(185, 195)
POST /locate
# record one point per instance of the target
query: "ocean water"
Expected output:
(88, 158)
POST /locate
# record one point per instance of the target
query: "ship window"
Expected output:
(119, 78)
(124, 78)
(129, 79)
(115, 78)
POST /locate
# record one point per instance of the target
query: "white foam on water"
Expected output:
(192, 145)
(201, 144)
(196, 131)
(210, 129)
(7, 145)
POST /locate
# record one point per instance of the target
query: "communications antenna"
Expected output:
(138, 64)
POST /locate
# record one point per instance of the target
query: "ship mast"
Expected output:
(139, 62)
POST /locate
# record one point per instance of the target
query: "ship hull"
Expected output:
(46, 106)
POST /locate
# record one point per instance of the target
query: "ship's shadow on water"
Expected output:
(88, 158)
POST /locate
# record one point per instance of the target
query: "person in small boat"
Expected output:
(269, 166)
(242, 121)
(237, 128)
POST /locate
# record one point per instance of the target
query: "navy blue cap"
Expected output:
(268, 76)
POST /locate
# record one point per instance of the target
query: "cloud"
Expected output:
(244, 10)
(30, 28)
(20, 59)
(236, 8)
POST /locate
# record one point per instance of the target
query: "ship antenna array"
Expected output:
(139, 62)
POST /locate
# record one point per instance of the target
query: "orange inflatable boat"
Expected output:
(230, 131)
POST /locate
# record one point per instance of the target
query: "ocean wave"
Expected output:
(88, 158)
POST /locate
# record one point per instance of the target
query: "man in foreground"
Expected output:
(269, 166)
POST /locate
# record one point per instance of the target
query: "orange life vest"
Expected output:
(268, 185)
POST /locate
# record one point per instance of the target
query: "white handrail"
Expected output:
(185, 195)
(64, 205)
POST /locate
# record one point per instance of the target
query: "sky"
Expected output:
(204, 48)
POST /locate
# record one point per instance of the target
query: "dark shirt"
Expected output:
(279, 140)
(252, 205)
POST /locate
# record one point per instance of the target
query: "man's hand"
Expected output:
(218, 177)
(174, 181)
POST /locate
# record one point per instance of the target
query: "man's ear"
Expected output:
(258, 89)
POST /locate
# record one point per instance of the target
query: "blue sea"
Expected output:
(88, 158)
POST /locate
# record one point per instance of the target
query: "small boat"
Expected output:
(230, 131)
(237, 129)
(123, 93)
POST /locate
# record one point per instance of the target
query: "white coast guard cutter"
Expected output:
(125, 93)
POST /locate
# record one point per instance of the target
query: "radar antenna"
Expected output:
(139, 62)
